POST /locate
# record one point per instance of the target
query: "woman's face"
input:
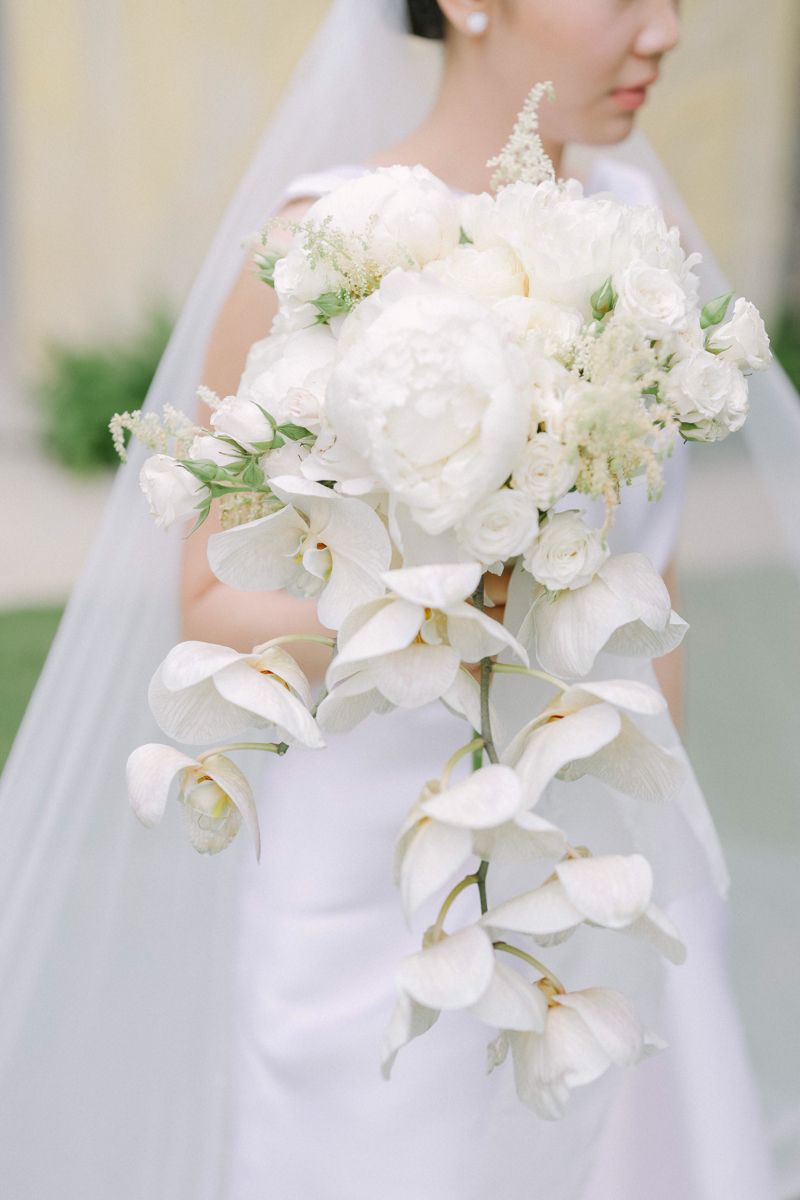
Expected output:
(601, 56)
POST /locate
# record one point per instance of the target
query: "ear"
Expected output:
(468, 17)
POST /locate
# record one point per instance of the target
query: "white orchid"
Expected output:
(459, 971)
(214, 793)
(324, 545)
(585, 1033)
(625, 609)
(406, 648)
(203, 692)
(481, 815)
(583, 732)
(612, 891)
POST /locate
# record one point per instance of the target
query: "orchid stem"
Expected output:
(466, 882)
(471, 748)
(512, 669)
(534, 962)
(317, 638)
(272, 747)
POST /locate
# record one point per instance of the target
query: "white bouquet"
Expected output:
(442, 373)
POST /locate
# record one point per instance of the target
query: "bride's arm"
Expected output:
(211, 611)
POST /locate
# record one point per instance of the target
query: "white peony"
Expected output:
(709, 394)
(567, 553)
(545, 471)
(653, 298)
(543, 328)
(287, 373)
(500, 527)
(743, 340)
(490, 274)
(434, 396)
(172, 492)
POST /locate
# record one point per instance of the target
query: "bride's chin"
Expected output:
(608, 130)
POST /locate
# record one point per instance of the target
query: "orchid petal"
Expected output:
(434, 586)
(574, 1051)
(350, 702)
(622, 693)
(571, 627)
(612, 1021)
(547, 909)
(486, 798)
(636, 640)
(197, 714)
(259, 556)
(551, 746)
(527, 837)
(268, 698)
(548, 1097)
(476, 635)
(453, 973)
(408, 1021)
(234, 784)
(190, 663)
(433, 853)
(510, 1002)
(150, 771)
(280, 663)
(391, 627)
(634, 765)
(612, 890)
(416, 675)
(463, 697)
(655, 927)
(634, 579)
(360, 551)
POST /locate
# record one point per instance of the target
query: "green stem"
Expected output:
(272, 747)
(512, 669)
(472, 747)
(466, 882)
(481, 879)
(317, 638)
(534, 962)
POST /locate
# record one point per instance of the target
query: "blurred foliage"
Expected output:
(25, 637)
(785, 338)
(82, 388)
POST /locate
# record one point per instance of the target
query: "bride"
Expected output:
(185, 1028)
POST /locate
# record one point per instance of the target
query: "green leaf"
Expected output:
(295, 433)
(203, 469)
(202, 514)
(252, 475)
(265, 265)
(331, 304)
(714, 312)
(464, 239)
(603, 300)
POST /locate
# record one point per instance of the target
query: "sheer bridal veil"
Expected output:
(115, 941)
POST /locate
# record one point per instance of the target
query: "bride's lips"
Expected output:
(630, 98)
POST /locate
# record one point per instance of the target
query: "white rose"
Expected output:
(567, 553)
(287, 374)
(743, 340)
(240, 419)
(172, 492)
(563, 239)
(205, 447)
(501, 526)
(653, 298)
(490, 274)
(709, 395)
(434, 396)
(544, 471)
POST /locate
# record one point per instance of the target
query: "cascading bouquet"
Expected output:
(443, 373)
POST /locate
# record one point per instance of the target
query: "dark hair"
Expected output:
(426, 19)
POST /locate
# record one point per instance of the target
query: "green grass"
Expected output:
(25, 637)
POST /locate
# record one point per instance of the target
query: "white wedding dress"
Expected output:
(320, 932)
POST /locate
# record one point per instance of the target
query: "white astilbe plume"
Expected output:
(170, 433)
(524, 159)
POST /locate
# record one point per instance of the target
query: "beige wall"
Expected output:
(112, 101)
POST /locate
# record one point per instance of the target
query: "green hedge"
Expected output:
(82, 388)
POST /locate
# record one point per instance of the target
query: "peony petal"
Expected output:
(259, 556)
(511, 1002)
(416, 675)
(271, 700)
(197, 714)
(453, 973)
(189, 663)
(545, 910)
(234, 784)
(150, 771)
(551, 746)
(433, 853)
(613, 890)
(612, 1020)
(408, 1020)
(487, 797)
(436, 586)
(655, 927)
(525, 838)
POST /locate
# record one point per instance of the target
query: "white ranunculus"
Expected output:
(324, 545)
(743, 340)
(215, 794)
(491, 274)
(653, 298)
(410, 218)
(567, 553)
(563, 239)
(544, 472)
(585, 1033)
(499, 527)
(172, 492)
(624, 610)
(709, 394)
(584, 732)
(202, 693)
(434, 396)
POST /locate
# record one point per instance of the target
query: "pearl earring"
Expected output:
(477, 23)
